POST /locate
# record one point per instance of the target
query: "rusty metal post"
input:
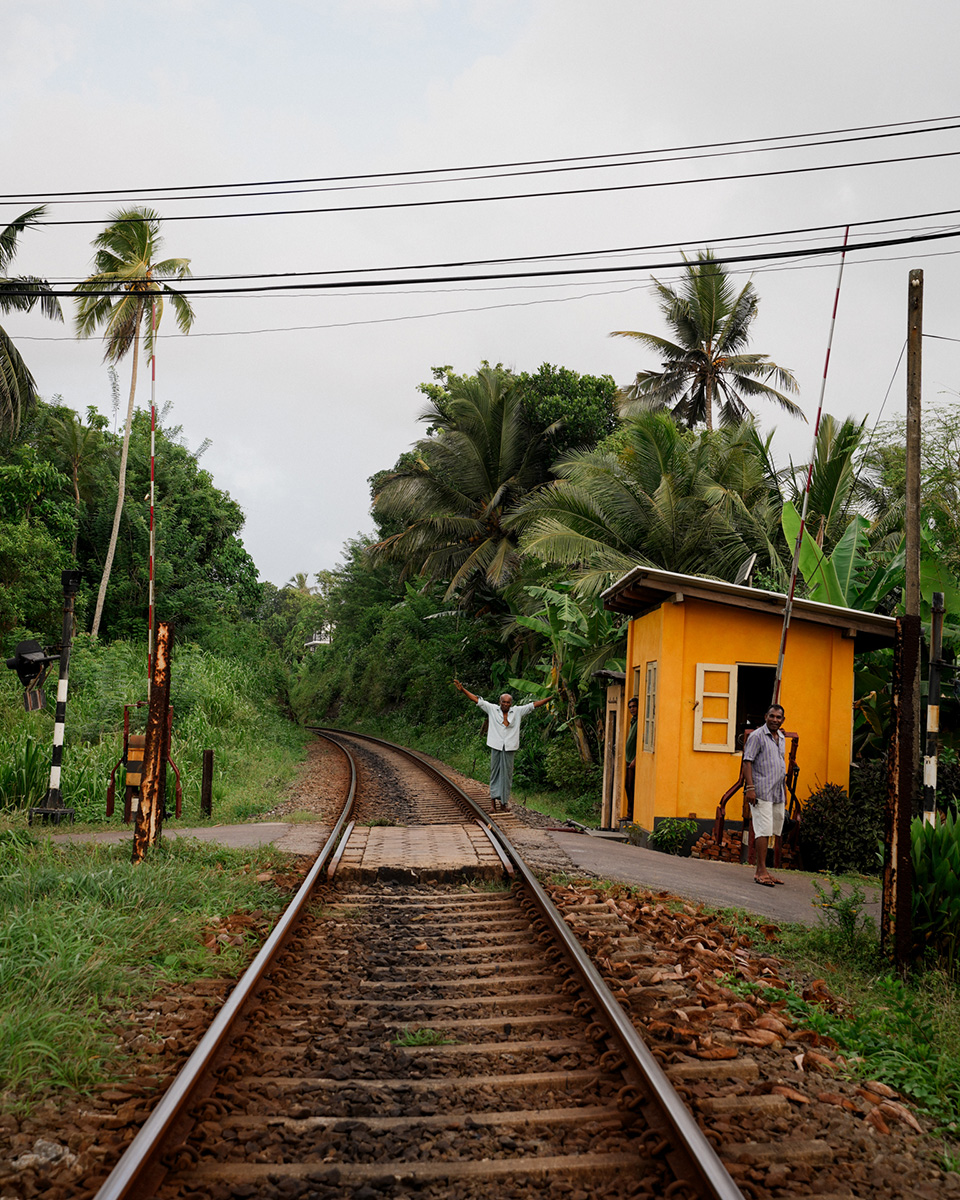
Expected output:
(150, 814)
(206, 785)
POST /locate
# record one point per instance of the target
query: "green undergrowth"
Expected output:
(84, 933)
(421, 1037)
(218, 703)
(903, 1032)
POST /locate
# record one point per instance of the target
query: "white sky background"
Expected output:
(129, 95)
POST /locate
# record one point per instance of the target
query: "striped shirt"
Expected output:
(764, 750)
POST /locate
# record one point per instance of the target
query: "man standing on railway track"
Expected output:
(503, 738)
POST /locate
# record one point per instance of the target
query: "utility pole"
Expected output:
(904, 754)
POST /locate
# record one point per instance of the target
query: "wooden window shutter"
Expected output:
(714, 724)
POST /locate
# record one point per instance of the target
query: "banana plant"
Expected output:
(581, 637)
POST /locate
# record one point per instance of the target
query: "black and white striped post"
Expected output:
(53, 809)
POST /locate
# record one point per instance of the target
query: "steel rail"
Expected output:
(126, 1180)
(139, 1160)
(713, 1177)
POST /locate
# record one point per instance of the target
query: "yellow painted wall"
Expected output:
(817, 694)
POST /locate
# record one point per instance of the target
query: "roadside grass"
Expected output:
(84, 933)
(905, 1033)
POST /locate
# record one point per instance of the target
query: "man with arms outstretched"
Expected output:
(503, 738)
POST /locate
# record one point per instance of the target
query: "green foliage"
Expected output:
(421, 1037)
(935, 853)
(451, 504)
(565, 769)
(219, 703)
(670, 834)
(393, 647)
(24, 772)
(903, 1034)
(698, 504)
(581, 409)
(18, 393)
(838, 834)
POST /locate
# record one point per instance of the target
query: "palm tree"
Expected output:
(123, 289)
(453, 500)
(696, 504)
(706, 365)
(18, 391)
(300, 583)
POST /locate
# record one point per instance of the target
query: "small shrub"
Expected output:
(586, 808)
(671, 834)
(935, 850)
(849, 930)
(566, 770)
(839, 833)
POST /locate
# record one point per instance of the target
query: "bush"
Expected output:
(935, 850)
(840, 833)
(671, 834)
(564, 768)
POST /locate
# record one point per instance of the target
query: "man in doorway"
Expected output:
(764, 783)
(503, 738)
(633, 708)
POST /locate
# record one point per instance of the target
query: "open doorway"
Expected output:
(754, 691)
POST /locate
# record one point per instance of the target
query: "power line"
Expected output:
(745, 238)
(616, 269)
(900, 128)
(447, 312)
(558, 193)
(395, 181)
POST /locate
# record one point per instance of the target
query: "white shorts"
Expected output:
(767, 818)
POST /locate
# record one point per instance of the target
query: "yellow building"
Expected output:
(701, 658)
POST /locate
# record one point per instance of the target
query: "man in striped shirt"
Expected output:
(764, 780)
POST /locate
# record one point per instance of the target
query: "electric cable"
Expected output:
(546, 162)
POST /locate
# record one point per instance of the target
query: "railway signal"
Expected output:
(31, 665)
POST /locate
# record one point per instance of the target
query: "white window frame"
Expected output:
(650, 708)
(699, 721)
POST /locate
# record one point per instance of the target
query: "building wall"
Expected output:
(816, 692)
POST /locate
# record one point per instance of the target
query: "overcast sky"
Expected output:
(305, 395)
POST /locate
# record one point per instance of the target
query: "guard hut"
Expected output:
(701, 658)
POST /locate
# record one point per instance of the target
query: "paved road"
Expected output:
(717, 884)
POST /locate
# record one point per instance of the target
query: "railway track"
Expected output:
(427, 1037)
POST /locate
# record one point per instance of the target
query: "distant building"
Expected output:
(701, 658)
(321, 637)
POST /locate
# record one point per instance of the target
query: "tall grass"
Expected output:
(82, 931)
(219, 703)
